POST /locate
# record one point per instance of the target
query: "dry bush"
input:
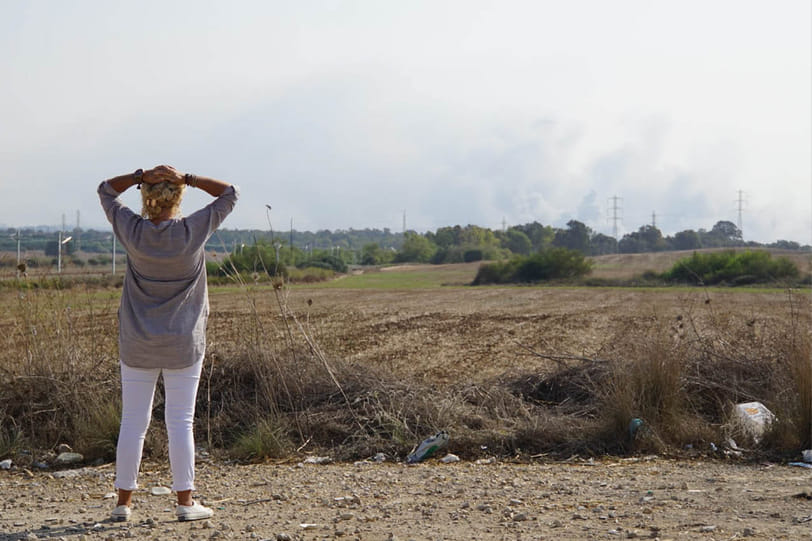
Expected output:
(98, 435)
(269, 390)
(56, 368)
(682, 375)
(11, 441)
(644, 379)
(274, 386)
(741, 359)
(793, 382)
(266, 440)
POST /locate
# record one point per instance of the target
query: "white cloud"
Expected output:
(344, 114)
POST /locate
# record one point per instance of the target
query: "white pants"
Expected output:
(137, 392)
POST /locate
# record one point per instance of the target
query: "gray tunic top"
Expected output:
(164, 302)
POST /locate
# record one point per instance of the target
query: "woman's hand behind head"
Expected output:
(163, 173)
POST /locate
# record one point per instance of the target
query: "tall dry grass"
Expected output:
(57, 370)
(683, 377)
(680, 375)
(270, 390)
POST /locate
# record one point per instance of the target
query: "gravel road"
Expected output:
(645, 497)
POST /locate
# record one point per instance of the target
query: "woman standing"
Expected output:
(162, 319)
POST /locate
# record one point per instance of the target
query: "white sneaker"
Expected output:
(121, 514)
(193, 512)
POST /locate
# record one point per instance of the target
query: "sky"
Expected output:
(360, 114)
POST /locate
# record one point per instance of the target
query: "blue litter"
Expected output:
(428, 447)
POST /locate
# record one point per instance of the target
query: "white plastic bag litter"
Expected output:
(755, 418)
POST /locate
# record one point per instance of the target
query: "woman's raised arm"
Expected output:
(150, 176)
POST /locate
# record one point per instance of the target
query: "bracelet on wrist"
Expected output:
(190, 180)
(138, 177)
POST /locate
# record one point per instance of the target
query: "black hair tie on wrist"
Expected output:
(190, 180)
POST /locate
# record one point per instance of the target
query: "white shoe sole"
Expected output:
(196, 512)
(188, 518)
(120, 516)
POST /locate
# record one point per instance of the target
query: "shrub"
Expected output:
(310, 275)
(257, 258)
(553, 264)
(373, 254)
(265, 440)
(735, 268)
(495, 273)
(11, 441)
(329, 262)
(416, 248)
(97, 435)
(450, 254)
(472, 255)
(468, 254)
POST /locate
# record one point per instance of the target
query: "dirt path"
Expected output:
(649, 497)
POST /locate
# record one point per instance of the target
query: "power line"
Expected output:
(16, 236)
(78, 231)
(739, 209)
(616, 209)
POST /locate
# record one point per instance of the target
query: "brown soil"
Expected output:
(455, 334)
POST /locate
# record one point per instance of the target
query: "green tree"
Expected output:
(541, 237)
(325, 261)
(785, 245)
(727, 231)
(517, 242)
(575, 237)
(373, 254)
(416, 248)
(474, 236)
(259, 257)
(646, 239)
(445, 237)
(470, 243)
(723, 233)
(686, 240)
(601, 244)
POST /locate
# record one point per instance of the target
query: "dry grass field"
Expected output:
(457, 334)
(522, 377)
(535, 384)
(424, 331)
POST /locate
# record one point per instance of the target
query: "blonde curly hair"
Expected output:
(157, 197)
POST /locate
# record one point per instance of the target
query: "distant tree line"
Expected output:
(454, 244)
(472, 243)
